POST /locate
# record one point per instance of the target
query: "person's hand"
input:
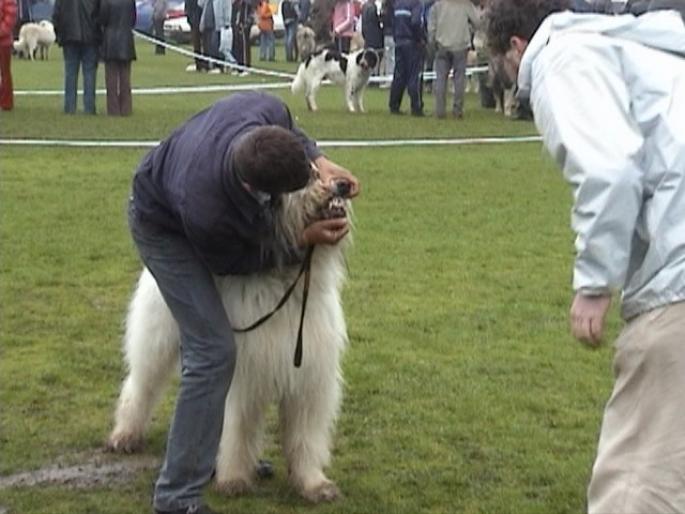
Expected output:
(329, 232)
(330, 172)
(587, 317)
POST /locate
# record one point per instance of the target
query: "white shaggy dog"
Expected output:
(308, 397)
(351, 71)
(35, 36)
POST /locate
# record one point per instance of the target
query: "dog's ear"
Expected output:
(359, 58)
(332, 55)
(309, 59)
(371, 58)
(343, 63)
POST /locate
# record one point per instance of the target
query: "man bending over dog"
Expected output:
(202, 206)
(608, 94)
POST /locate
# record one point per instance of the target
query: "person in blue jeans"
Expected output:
(289, 12)
(202, 205)
(79, 35)
(410, 41)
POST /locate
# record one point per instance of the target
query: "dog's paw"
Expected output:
(234, 487)
(125, 443)
(326, 491)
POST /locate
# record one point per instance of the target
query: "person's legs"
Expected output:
(262, 45)
(112, 88)
(89, 60)
(399, 78)
(158, 27)
(290, 33)
(459, 81)
(6, 87)
(442, 69)
(414, 79)
(271, 46)
(640, 464)
(72, 61)
(208, 355)
(125, 97)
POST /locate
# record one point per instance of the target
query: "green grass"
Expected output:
(464, 392)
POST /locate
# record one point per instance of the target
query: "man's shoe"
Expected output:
(418, 114)
(397, 112)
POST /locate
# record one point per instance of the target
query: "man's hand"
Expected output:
(587, 317)
(329, 232)
(330, 172)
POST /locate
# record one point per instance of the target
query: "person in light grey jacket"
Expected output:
(450, 25)
(622, 78)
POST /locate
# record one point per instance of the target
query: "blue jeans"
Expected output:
(86, 57)
(208, 355)
(267, 45)
(290, 44)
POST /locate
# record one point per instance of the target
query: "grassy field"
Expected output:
(465, 393)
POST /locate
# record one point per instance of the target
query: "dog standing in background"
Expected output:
(306, 41)
(35, 37)
(352, 71)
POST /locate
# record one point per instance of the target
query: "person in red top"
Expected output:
(8, 17)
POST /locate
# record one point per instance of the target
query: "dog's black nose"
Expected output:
(342, 188)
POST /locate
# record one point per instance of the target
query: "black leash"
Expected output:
(305, 270)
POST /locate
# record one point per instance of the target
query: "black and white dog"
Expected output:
(349, 70)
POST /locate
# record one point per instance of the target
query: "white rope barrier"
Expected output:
(323, 143)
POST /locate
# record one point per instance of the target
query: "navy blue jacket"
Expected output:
(187, 185)
(407, 23)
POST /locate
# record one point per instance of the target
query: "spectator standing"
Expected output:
(118, 17)
(159, 9)
(216, 14)
(290, 18)
(372, 31)
(8, 18)
(78, 33)
(388, 61)
(265, 21)
(242, 21)
(623, 77)
(410, 40)
(194, 14)
(449, 32)
(303, 9)
(343, 24)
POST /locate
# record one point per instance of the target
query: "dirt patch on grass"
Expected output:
(96, 470)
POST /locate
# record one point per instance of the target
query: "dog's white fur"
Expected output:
(35, 37)
(351, 71)
(308, 397)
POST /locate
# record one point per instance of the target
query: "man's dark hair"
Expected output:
(272, 159)
(507, 18)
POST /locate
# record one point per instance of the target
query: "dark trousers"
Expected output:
(241, 45)
(196, 40)
(6, 88)
(158, 28)
(408, 63)
(118, 83)
(210, 43)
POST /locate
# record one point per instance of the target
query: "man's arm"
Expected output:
(582, 109)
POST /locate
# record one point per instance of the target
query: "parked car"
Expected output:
(177, 30)
(175, 9)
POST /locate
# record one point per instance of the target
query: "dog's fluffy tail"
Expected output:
(298, 82)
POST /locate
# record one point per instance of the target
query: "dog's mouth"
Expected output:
(336, 204)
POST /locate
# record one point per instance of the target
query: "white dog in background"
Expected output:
(35, 37)
(309, 397)
(351, 71)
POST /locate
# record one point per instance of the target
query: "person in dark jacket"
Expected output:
(194, 13)
(78, 33)
(118, 17)
(410, 40)
(372, 31)
(242, 19)
(202, 205)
